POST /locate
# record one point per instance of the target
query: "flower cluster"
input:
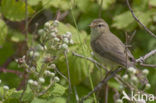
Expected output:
(39, 62)
(50, 35)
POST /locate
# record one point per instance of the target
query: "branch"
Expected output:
(90, 59)
(2, 69)
(107, 77)
(67, 63)
(143, 58)
(151, 33)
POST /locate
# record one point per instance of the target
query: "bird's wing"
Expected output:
(111, 48)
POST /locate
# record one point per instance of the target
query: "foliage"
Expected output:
(40, 65)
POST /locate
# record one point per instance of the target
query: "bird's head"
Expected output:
(98, 26)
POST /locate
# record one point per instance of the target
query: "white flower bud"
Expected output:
(69, 34)
(0, 81)
(64, 46)
(52, 74)
(47, 72)
(31, 53)
(56, 79)
(41, 31)
(40, 47)
(53, 34)
(57, 39)
(132, 70)
(56, 22)
(119, 101)
(148, 86)
(134, 78)
(66, 40)
(145, 71)
(53, 66)
(45, 47)
(71, 41)
(35, 83)
(41, 80)
(47, 24)
(5, 87)
(30, 81)
(125, 77)
(36, 54)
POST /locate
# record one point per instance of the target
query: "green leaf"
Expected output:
(14, 10)
(61, 4)
(152, 3)
(28, 95)
(106, 3)
(58, 90)
(37, 100)
(121, 21)
(3, 33)
(33, 2)
(57, 100)
(78, 67)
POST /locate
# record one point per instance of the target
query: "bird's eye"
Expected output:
(100, 25)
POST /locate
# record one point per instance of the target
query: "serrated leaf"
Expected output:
(58, 90)
(3, 33)
(14, 10)
(28, 95)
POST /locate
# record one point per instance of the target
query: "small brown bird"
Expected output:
(107, 47)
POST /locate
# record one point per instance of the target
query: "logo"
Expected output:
(138, 96)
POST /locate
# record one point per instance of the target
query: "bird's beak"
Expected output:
(91, 25)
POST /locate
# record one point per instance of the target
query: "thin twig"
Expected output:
(132, 36)
(49, 86)
(106, 93)
(90, 59)
(61, 74)
(26, 21)
(132, 12)
(100, 8)
(112, 74)
(148, 65)
(143, 58)
(5, 70)
(76, 95)
(69, 80)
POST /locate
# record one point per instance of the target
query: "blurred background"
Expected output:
(75, 16)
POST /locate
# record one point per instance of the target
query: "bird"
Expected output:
(107, 47)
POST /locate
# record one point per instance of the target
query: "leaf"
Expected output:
(106, 3)
(3, 33)
(57, 100)
(33, 2)
(152, 3)
(121, 21)
(28, 95)
(37, 100)
(61, 4)
(14, 10)
(58, 90)
(78, 67)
